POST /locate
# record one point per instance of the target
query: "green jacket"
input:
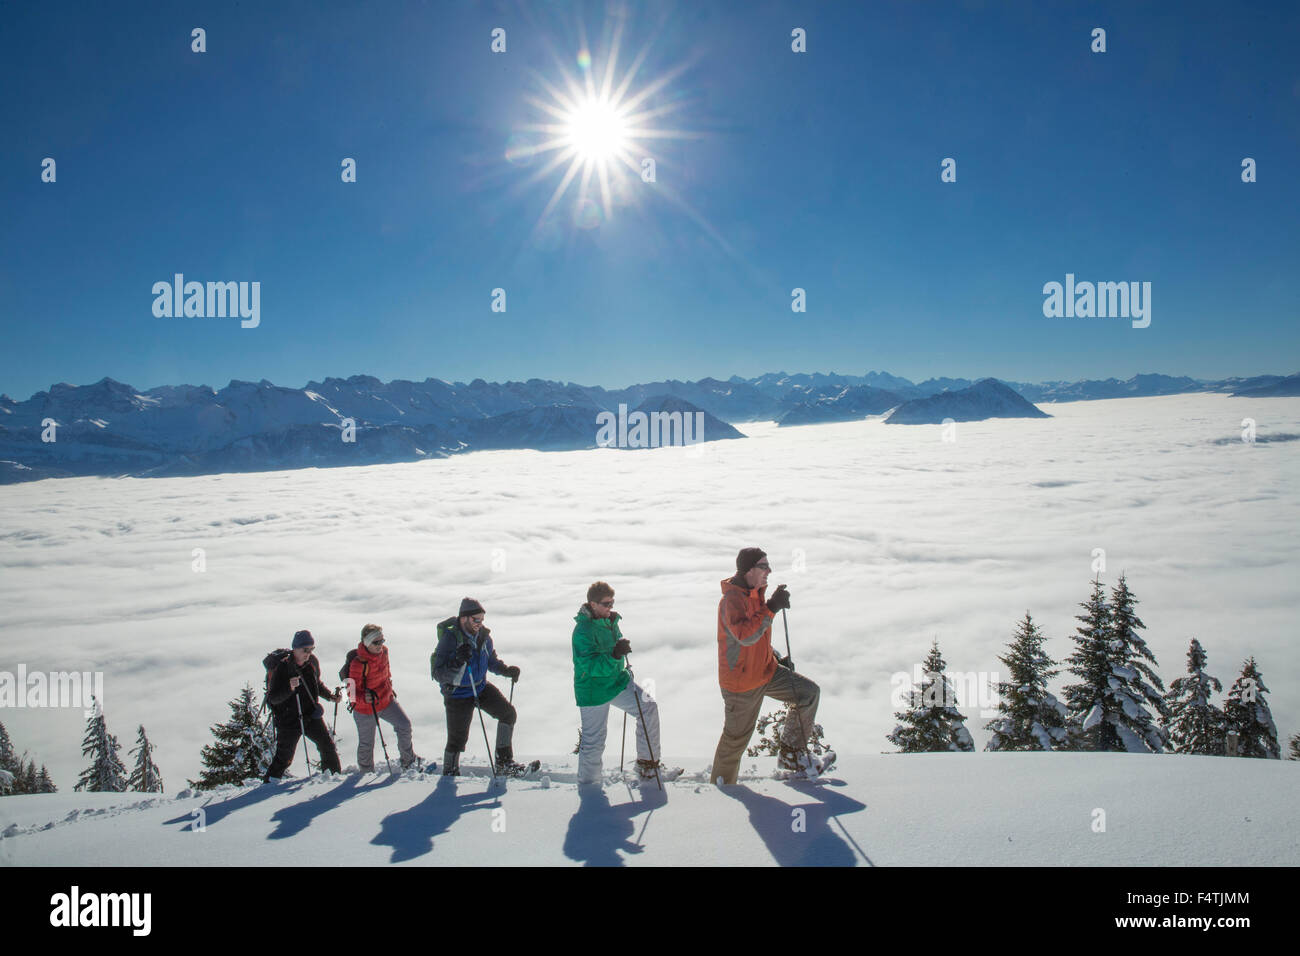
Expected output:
(598, 677)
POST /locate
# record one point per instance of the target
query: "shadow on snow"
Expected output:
(598, 832)
(818, 843)
(410, 832)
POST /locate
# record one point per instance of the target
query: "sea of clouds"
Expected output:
(888, 536)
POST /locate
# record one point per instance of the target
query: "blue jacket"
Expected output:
(454, 678)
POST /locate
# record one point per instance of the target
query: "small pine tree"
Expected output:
(1295, 747)
(932, 722)
(44, 783)
(1091, 664)
(27, 782)
(105, 773)
(1194, 725)
(244, 746)
(1139, 731)
(1029, 716)
(8, 758)
(771, 731)
(145, 777)
(1246, 712)
(1108, 707)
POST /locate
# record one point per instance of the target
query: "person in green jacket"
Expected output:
(601, 677)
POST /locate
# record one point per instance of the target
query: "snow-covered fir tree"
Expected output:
(145, 777)
(105, 773)
(1246, 712)
(931, 722)
(1109, 705)
(8, 757)
(1090, 662)
(44, 783)
(243, 749)
(1295, 747)
(1029, 715)
(1194, 725)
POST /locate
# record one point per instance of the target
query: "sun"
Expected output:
(596, 131)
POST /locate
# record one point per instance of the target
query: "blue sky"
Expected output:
(817, 170)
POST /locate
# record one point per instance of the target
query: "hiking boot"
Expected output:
(450, 763)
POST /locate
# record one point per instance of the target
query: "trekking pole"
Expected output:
(622, 753)
(512, 689)
(803, 735)
(336, 710)
(306, 754)
(644, 729)
(381, 731)
(483, 723)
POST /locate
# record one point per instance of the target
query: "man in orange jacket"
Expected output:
(749, 670)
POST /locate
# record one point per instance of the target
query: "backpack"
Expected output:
(271, 662)
(343, 673)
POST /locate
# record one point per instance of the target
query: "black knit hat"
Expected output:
(747, 558)
(469, 607)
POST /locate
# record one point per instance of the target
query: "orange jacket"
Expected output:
(745, 658)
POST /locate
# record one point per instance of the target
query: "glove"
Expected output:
(779, 601)
(621, 648)
(512, 673)
(464, 653)
(784, 662)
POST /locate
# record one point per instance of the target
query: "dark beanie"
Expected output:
(303, 639)
(469, 607)
(748, 557)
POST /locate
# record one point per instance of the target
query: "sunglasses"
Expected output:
(764, 566)
(605, 603)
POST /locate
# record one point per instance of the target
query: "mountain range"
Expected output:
(110, 428)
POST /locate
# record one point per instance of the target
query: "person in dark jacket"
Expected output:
(460, 665)
(294, 682)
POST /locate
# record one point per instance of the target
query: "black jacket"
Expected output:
(310, 689)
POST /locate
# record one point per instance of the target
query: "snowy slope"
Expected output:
(885, 810)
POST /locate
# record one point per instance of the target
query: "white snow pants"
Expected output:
(595, 721)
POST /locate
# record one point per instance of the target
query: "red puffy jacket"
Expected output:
(369, 673)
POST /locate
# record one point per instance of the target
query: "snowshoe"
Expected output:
(509, 768)
(646, 770)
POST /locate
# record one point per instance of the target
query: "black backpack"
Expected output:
(271, 662)
(343, 673)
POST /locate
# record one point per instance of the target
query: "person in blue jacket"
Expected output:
(460, 665)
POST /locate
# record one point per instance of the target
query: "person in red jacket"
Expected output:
(370, 688)
(749, 670)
